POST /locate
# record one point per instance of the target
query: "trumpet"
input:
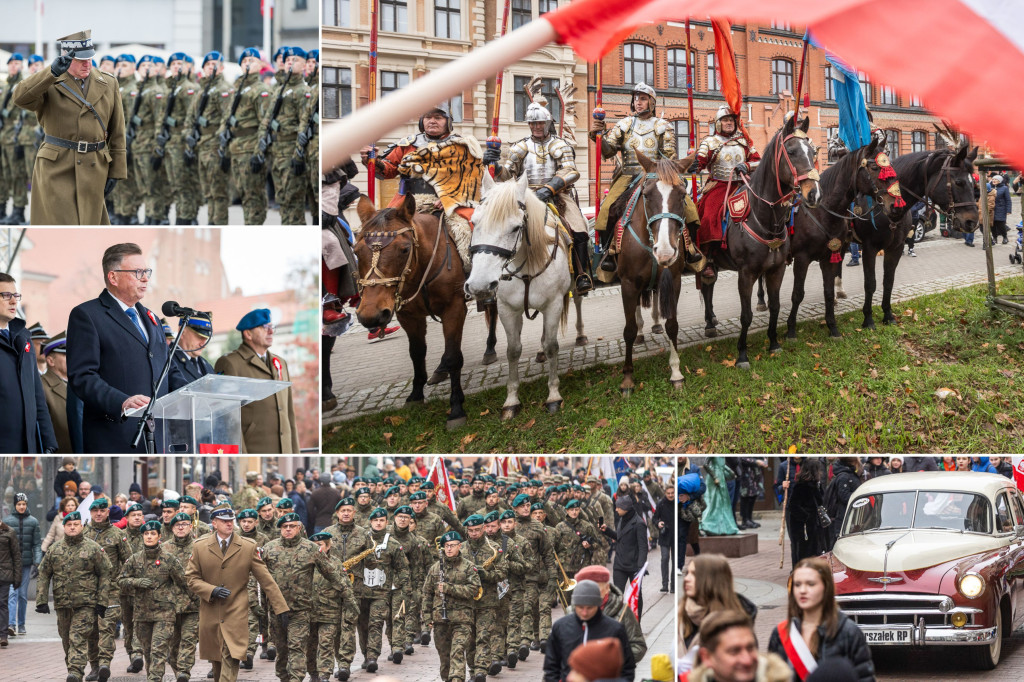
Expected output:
(566, 585)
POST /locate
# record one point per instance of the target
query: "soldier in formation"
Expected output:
(114, 543)
(450, 590)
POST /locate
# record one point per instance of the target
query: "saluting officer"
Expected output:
(448, 604)
(83, 144)
(209, 110)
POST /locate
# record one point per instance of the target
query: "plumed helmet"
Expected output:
(441, 108)
(642, 88)
(537, 112)
(724, 112)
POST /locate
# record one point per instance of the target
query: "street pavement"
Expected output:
(759, 578)
(235, 216)
(39, 656)
(373, 376)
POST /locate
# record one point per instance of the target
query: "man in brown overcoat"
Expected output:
(218, 573)
(83, 150)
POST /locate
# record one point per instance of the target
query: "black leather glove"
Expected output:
(544, 194)
(225, 161)
(109, 186)
(220, 593)
(100, 610)
(491, 156)
(284, 618)
(742, 169)
(42, 608)
(298, 167)
(58, 67)
(190, 157)
(156, 161)
(256, 163)
(303, 139)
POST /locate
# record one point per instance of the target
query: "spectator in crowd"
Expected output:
(26, 529)
(586, 621)
(56, 531)
(298, 498)
(982, 465)
(845, 480)
(661, 668)
(598, 659)
(631, 546)
(66, 473)
(370, 469)
(665, 517)
(874, 468)
(321, 506)
(815, 630)
(1003, 208)
(963, 463)
(728, 653)
(782, 480)
(912, 464)
(691, 509)
(10, 573)
(402, 469)
(896, 465)
(949, 463)
(806, 536)
(751, 488)
(1002, 466)
(707, 589)
(84, 490)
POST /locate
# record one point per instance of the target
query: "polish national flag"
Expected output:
(442, 484)
(631, 595)
(1018, 471)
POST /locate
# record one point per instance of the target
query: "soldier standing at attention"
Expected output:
(126, 193)
(170, 136)
(13, 180)
(480, 551)
(247, 519)
(249, 104)
(133, 531)
(330, 601)
(156, 578)
(291, 561)
(31, 135)
(448, 603)
(152, 181)
(419, 555)
(306, 158)
(209, 110)
(115, 543)
(186, 621)
(80, 572)
(83, 144)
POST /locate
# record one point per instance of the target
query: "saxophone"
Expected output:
(484, 566)
(348, 564)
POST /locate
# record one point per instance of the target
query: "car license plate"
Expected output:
(888, 636)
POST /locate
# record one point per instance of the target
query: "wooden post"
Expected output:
(785, 499)
(494, 142)
(692, 132)
(800, 84)
(371, 170)
(598, 116)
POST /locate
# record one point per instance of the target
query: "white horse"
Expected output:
(520, 258)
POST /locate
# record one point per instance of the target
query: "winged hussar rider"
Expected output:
(550, 167)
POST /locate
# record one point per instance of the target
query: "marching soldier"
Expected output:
(428, 524)
(517, 589)
(247, 519)
(549, 594)
(291, 560)
(471, 504)
(489, 561)
(80, 573)
(248, 497)
(190, 507)
(156, 577)
(13, 180)
(186, 605)
(152, 101)
(209, 111)
(449, 590)
(441, 509)
(541, 581)
(127, 192)
(168, 509)
(419, 555)
(330, 601)
(268, 519)
(577, 539)
(516, 568)
(133, 531)
(170, 137)
(347, 541)
(84, 142)
(364, 506)
(115, 543)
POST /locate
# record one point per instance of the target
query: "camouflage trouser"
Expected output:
(75, 627)
(101, 642)
(131, 640)
(214, 183)
(253, 188)
(513, 635)
(501, 628)
(153, 185)
(481, 649)
(452, 640)
(373, 613)
(126, 194)
(14, 175)
(155, 638)
(186, 638)
(313, 170)
(345, 637)
(290, 664)
(530, 621)
(184, 183)
(548, 596)
(319, 649)
(291, 188)
(398, 622)
(254, 629)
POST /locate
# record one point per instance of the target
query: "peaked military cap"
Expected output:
(57, 344)
(80, 43)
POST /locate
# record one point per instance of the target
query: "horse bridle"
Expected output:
(500, 251)
(947, 172)
(782, 153)
(380, 240)
(876, 193)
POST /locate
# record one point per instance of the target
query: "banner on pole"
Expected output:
(442, 484)
(631, 595)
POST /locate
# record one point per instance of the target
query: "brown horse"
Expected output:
(650, 259)
(409, 268)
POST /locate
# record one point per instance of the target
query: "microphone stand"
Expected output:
(146, 422)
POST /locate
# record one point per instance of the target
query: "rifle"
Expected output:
(192, 139)
(298, 163)
(259, 158)
(165, 131)
(19, 151)
(4, 111)
(129, 135)
(227, 135)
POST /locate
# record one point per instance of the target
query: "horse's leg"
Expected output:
(840, 292)
(892, 259)
(416, 329)
(672, 329)
(707, 291)
(761, 307)
(581, 336)
(639, 321)
(552, 318)
(867, 260)
(774, 283)
(746, 289)
(631, 308)
(491, 315)
(800, 264)
(829, 278)
(512, 323)
(656, 314)
(452, 324)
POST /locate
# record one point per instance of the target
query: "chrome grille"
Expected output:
(892, 608)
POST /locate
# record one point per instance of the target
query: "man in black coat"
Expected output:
(587, 621)
(188, 357)
(116, 351)
(630, 547)
(25, 426)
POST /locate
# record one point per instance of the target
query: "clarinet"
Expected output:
(440, 569)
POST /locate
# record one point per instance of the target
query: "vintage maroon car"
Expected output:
(933, 559)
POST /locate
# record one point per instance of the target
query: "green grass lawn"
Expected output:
(948, 377)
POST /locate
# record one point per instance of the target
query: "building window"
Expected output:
(522, 13)
(830, 87)
(455, 108)
(887, 95)
(393, 16)
(915, 101)
(782, 26)
(392, 80)
(892, 143)
(337, 13)
(713, 85)
(677, 67)
(337, 86)
(548, 6)
(447, 20)
(682, 137)
(301, 5)
(865, 86)
(549, 86)
(638, 63)
(919, 141)
(782, 76)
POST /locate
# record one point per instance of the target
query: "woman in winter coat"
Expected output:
(707, 588)
(806, 536)
(10, 572)
(56, 532)
(815, 630)
(1002, 209)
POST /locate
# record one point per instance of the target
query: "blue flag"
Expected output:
(854, 126)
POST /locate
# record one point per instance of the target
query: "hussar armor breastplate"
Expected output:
(539, 163)
(646, 135)
(731, 153)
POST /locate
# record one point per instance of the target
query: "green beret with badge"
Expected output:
(473, 520)
(150, 525)
(521, 499)
(99, 503)
(285, 503)
(181, 516)
(344, 502)
(451, 536)
(492, 517)
(322, 536)
(247, 514)
(289, 518)
(378, 513)
(264, 501)
(72, 516)
(416, 496)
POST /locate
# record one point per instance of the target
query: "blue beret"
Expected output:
(93, 62)
(189, 60)
(377, 513)
(120, 58)
(322, 536)
(253, 319)
(213, 57)
(158, 59)
(294, 52)
(313, 54)
(150, 525)
(72, 516)
(176, 57)
(249, 52)
(280, 51)
(15, 57)
(146, 59)
(108, 58)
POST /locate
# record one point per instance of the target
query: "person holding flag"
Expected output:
(630, 548)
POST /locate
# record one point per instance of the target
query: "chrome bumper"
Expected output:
(923, 635)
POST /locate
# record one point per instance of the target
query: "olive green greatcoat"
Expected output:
(67, 187)
(268, 425)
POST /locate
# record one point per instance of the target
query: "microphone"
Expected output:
(172, 309)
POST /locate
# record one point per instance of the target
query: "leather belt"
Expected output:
(81, 146)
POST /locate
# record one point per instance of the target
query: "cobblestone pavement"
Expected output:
(38, 656)
(759, 578)
(370, 377)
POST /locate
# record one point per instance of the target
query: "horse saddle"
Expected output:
(739, 206)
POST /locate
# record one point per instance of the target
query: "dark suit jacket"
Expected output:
(186, 369)
(24, 419)
(107, 363)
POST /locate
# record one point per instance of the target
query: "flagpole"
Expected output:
(494, 142)
(371, 161)
(800, 83)
(598, 115)
(691, 124)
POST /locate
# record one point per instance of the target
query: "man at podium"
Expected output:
(268, 425)
(188, 356)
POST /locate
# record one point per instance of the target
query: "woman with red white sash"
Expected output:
(815, 629)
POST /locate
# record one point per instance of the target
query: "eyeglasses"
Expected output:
(270, 327)
(139, 274)
(8, 295)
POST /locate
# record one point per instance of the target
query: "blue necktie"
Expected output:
(135, 320)
(6, 334)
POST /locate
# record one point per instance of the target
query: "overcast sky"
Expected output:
(258, 259)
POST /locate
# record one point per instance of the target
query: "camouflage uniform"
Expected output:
(510, 606)
(29, 139)
(549, 593)
(81, 575)
(292, 562)
(348, 540)
(419, 556)
(538, 552)
(184, 180)
(126, 194)
(214, 181)
(387, 569)
(186, 621)
(157, 603)
(453, 636)
(257, 605)
(329, 607)
(311, 120)
(252, 106)
(482, 651)
(248, 497)
(152, 183)
(447, 515)
(290, 188)
(268, 528)
(131, 641)
(615, 608)
(429, 526)
(471, 505)
(114, 542)
(12, 169)
(362, 515)
(570, 543)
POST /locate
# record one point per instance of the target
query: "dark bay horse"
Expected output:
(822, 234)
(946, 177)
(758, 244)
(409, 268)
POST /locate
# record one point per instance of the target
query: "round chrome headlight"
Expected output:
(971, 585)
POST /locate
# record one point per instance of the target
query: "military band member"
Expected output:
(577, 539)
(510, 591)
(115, 543)
(489, 561)
(419, 554)
(189, 506)
(450, 589)
(133, 531)
(330, 601)
(347, 541)
(186, 619)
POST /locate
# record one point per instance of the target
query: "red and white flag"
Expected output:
(442, 484)
(501, 466)
(1018, 471)
(631, 595)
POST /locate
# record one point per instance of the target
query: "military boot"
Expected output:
(103, 674)
(92, 676)
(271, 652)
(396, 656)
(480, 677)
(425, 638)
(342, 674)
(409, 651)
(246, 664)
(495, 668)
(511, 661)
(581, 254)
(371, 665)
(136, 665)
(182, 677)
